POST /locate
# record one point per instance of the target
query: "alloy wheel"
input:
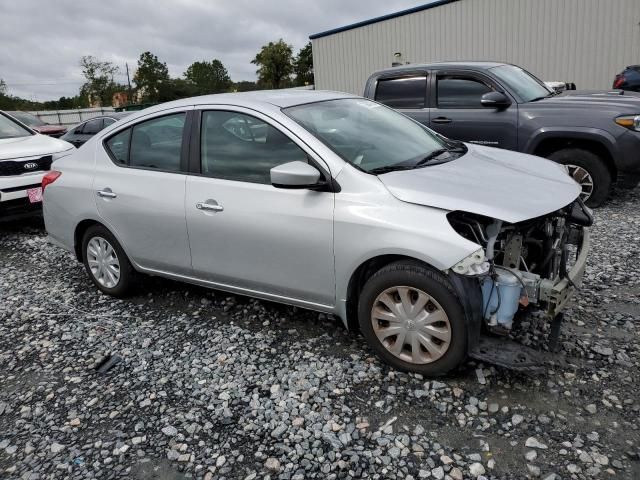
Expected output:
(411, 325)
(103, 262)
(583, 178)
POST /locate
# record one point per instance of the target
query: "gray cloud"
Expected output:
(41, 42)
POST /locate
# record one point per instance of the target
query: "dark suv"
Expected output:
(595, 134)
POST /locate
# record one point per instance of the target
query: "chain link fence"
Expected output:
(68, 118)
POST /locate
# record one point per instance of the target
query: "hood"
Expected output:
(31, 146)
(617, 99)
(487, 181)
(49, 129)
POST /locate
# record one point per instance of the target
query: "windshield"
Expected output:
(28, 119)
(11, 129)
(526, 86)
(372, 137)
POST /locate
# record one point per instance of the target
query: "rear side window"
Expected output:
(154, 144)
(239, 147)
(118, 145)
(407, 92)
(460, 91)
(92, 126)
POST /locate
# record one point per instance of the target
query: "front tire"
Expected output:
(589, 170)
(411, 317)
(106, 263)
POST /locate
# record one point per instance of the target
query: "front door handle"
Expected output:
(209, 205)
(106, 193)
(441, 120)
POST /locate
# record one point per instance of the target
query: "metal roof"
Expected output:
(389, 16)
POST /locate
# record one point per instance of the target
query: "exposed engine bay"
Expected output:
(532, 265)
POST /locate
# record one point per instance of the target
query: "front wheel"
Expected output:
(589, 171)
(410, 315)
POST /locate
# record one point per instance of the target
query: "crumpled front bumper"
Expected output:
(556, 293)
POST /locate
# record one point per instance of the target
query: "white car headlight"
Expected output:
(474, 264)
(64, 153)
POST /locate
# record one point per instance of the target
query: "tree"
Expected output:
(208, 77)
(100, 85)
(275, 64)
(150, 76)
(175, 89)
(303, 66)
(244, 86)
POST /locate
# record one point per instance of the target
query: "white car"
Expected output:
(25, 156)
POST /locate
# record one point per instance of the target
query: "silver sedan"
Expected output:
(330, 202)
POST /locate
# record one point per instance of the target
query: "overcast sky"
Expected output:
(41, 42)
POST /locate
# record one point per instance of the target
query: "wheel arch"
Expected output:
(545, 142)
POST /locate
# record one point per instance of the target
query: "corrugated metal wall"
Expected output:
(582, 41)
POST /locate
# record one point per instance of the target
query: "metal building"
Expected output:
(581, 41)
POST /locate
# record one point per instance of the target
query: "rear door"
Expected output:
(458, 114)
(406, 93)
(139, 187)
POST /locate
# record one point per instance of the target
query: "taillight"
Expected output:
(49, 178)
(619, 81)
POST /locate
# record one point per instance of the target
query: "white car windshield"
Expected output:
(11, 129)
(372, 137)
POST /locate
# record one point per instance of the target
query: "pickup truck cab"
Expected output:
(594, 134)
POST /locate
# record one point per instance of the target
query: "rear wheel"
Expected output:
(589, 170)
(411, 317)
(106, 263)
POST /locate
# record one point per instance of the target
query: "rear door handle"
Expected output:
(441, 120)
(106, 193)
(209, 205)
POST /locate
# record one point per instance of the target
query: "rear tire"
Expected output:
(429, 320)
(106, 263)
(594, 166)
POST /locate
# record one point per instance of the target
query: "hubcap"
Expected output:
(411, 325)
(103, 262)
(583, 178)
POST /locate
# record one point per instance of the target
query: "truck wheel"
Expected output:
(412, 319)
(589, 170)
(106, 263)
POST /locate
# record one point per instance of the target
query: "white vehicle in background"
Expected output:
(25, 156)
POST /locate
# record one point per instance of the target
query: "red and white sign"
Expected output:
(35, 195)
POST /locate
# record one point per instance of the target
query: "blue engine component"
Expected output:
(501, 297)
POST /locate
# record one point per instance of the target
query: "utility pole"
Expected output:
(129, 83)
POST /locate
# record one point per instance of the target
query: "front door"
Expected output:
(139, 186)
(244, 232)
(458, 114)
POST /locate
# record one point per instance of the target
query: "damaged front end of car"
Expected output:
(529, 267)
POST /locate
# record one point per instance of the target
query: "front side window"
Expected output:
(11, 129)
(372, 137)
(525, 85)
(407, 92)
(236, 146)
(458, 91)
(153, 144)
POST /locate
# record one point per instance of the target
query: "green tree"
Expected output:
(100, 85)
(303, 66)
(208, 77)
(244, 86)
(150, 77)
(275, 64)
(175, 89)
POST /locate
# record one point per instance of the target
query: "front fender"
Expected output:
(603, 137)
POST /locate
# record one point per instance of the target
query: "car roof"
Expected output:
(470, 65)
(255, 99)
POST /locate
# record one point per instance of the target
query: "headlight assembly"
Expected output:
(632, 122)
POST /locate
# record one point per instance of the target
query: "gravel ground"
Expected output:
(220, 386)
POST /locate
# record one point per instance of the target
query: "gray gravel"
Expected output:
(218, 386)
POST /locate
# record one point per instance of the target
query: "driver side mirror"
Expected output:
(295, 175)
(495, 100)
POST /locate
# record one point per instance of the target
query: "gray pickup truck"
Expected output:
(595, 134)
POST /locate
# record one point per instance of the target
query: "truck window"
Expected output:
(406, 92)
(458, 91)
